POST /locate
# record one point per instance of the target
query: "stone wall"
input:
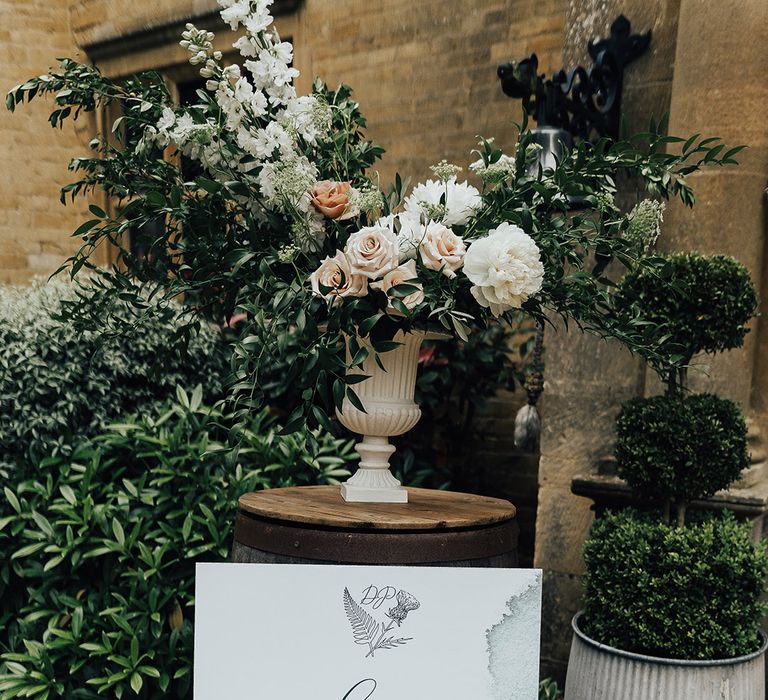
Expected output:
(34, 226)
(705, 69)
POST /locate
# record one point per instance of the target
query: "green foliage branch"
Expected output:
(58, 384)
(224, 258)
(681, 593)
(98, 549)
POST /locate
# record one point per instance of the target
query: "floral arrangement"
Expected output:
(288, 226)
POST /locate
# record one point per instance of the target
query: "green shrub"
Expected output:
(57, 384)
(689, 303)
(98, 551)
(686, 593)
(680, 447)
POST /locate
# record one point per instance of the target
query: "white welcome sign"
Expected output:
(291, 632)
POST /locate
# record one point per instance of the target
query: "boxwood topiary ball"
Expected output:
(681, 447)
(683, 593)
(689, 303)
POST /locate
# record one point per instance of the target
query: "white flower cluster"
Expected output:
(645, 221)
(444, 170)
(287, 181)
(193, 139)
(495, 173)
(451, 203)
(263, 114)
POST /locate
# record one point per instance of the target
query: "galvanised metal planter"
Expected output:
(599, 672)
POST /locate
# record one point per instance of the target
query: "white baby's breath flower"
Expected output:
(444, 170)
(284, 183)
(505, 268)
(495, 173)
(373, 251)
(459, 200)
(403, 274)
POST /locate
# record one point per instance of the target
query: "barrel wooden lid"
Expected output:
(427, 509)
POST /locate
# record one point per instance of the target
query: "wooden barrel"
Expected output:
(313, 525)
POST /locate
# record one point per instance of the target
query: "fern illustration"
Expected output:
(364, 627)
(390, 643)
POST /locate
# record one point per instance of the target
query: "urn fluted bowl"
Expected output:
(390, 410)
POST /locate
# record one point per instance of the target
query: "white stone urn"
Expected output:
(390, 410)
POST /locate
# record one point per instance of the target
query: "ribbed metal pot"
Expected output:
(599, 672)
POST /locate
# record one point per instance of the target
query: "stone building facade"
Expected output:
(424, 74)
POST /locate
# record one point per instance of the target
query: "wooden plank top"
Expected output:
(427, 509)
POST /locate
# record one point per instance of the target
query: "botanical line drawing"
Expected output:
(372, 633)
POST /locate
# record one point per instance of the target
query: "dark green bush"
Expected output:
(97, 551)
(686, 593)
(57, 384)
(680, 447)
(688, 303)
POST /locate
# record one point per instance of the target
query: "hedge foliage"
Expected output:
(686, 593)
(689, 303)
(680, 447)
(98, 551)
(58, 384)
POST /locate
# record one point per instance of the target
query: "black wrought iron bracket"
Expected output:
(582, 102)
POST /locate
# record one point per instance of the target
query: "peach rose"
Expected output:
(405, 274)
(442, 250)
(373, 251)
(336, 274)
(333, 199)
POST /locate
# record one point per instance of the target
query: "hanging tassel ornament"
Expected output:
(527, 420)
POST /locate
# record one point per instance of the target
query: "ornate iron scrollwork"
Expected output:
(581, 101)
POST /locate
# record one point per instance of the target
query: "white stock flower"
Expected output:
(404, 274)
(461, 201)
(442, 250)
(505, 268)
(338, 278)
(235, 12)
(373, 251)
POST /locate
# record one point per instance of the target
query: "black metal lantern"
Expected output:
(581, 103)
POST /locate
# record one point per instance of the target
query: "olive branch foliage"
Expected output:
(212, 252)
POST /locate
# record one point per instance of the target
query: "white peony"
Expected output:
(373, 251)
(442, 250)
(337, 279)
(505, 268)
(404, 274)
(461, 201)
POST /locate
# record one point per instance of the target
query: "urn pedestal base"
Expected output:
(363, 494)
(373, 482)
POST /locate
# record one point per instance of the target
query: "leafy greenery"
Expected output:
(58, 383)
(548, 690)
(688, 303)
(222, 247)
(97, 550)
(680, 447)
(683, 593)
